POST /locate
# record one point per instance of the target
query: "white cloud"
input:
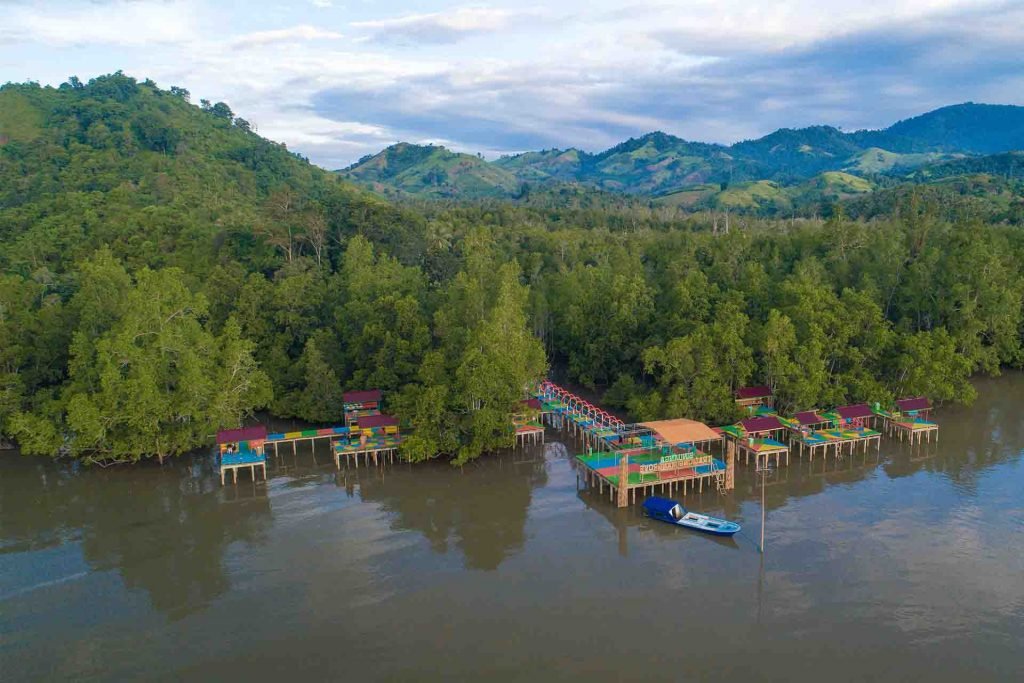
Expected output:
(118, 23)
(508, 77)
(446, 27)
(300, 33)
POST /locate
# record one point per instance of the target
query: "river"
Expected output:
(902, 565)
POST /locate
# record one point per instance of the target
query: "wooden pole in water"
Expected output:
(623, 490)
(764, 472)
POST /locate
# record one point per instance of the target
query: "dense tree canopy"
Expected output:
(166, 272)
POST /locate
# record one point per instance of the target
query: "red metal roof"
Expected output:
(533, 404)
(377, 421)
(907, 404)
(754, 425)
(368, 396)
(854, 412)
(254, 433)
(809, 417)
(753, 392)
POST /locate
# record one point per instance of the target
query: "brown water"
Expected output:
(908, 565)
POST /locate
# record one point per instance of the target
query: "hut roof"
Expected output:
(682, 431)
(532, 404)
(809, 417)
(765, 423)
(917, 403)
(367, 396)
(753, 392)
(254, 433)
(371, 421)
(854, 412)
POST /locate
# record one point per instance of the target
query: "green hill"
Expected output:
(552, 164)
(969, 127)
(877, 160)
(1006, 165)
(431, 171)
(659, 164)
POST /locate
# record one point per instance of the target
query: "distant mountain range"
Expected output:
(819, 163)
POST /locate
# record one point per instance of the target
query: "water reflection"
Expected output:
(884, 566)
(163, 530)
(481, 509)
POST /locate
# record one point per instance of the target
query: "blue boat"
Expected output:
(670, 511)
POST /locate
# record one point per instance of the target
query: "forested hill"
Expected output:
(658, 164)
(165, 272)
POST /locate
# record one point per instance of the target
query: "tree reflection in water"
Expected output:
(481, 510)
(164, 530)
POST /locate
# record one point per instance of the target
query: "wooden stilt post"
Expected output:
(623, 500)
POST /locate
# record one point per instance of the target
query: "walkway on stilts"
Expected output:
(627, 458)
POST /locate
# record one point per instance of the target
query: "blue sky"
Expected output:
(337, 79)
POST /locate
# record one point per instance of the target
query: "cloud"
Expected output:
(445, 27)
(857, 79)
(118, 23)
(590, 76)
(322, 4)
(304, 32)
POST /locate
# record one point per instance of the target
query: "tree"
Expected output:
(163, 383)
(222, 111)
(180, 92)
(501, 361)
(321, 398)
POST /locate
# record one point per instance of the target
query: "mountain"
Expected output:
(1005, 165)
(969, 127)
(431, 171)
(663, 165)
(123, 164)
(562, 165)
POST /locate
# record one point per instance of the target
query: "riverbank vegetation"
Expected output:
(165, 272)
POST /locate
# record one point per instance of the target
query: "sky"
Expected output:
(338, 79)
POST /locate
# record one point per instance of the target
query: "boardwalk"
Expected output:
(625, 458)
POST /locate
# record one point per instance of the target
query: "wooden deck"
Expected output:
(912, 430)
(835, 439)
(234, 462)
(762, 448)
(530, 433)
(378, 450)
(310, 435)
(686, 475)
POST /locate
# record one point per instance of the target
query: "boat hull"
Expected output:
(725, 528)
(671, 512)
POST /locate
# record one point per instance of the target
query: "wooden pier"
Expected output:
(240, 449)
(379, 452)
(530, 433)
(762, 448)
(687, 474)
(837, 440)
(912, 430)
(233, 467)
(759, 436)
(648, 457)
(908, 420)
(310, 435)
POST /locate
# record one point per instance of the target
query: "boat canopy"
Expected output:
(659, 506)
